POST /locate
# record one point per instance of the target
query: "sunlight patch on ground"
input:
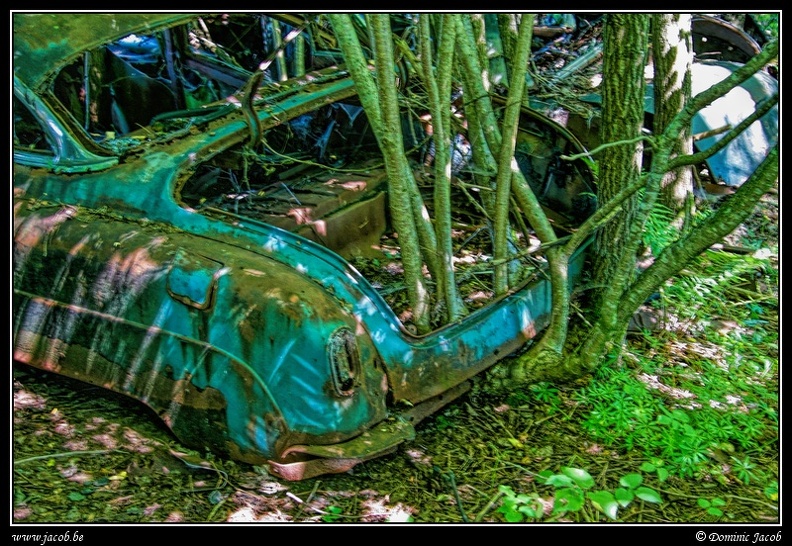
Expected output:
(376, 510)
(418, 457)
(652, 382)
(74, 474)
(26, 400)
(248, 515)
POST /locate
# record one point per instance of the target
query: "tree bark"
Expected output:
(496, 65)
(507, 165)
(551, 359)
(629, 290)
(475, 27)
(626, 197)
(672, 50)
(381, 105)
(399, 172)
(625, 47)
(438, 85)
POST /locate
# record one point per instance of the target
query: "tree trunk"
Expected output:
(672, 49)
(508, 23)
(474, 27)
(380, 103)
(551, 359)
(625, 47)
(626, 197)
(497, 63)
(507, 165)
(438, 85)
(628, 289)
(400, 177)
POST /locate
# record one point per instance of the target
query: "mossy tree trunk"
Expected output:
(381, 105)
(507, 164)
(672, 51)
(620, 300)
(625, 48)
(437, 80)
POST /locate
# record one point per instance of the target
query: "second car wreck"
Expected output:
(198, 255)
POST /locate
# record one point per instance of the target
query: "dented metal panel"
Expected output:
(193, 278)
(248, 371)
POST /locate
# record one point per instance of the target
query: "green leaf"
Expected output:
(605, 502)
(530, 511)
(647, 467)
(649, 495)
(334, 513)
(506, 490)
(19, 496)
(718, 502)
(704, 503)
(74, 496)
(662, 474)
(623, 496)
(559, 480)
(582, 478)
(712, 511)
(510, 515)
(631, 481)
(568, 500)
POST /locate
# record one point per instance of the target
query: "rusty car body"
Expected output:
(160, 252)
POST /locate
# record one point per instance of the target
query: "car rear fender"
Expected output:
(230, 348)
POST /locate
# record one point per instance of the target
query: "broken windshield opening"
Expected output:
(320, 175)
(142, 85)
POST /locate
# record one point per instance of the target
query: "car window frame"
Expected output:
(66, 154)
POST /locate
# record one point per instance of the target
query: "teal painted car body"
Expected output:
(247, 339)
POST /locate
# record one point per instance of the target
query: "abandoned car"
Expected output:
(191, 220)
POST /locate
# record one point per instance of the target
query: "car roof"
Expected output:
(45, 42)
